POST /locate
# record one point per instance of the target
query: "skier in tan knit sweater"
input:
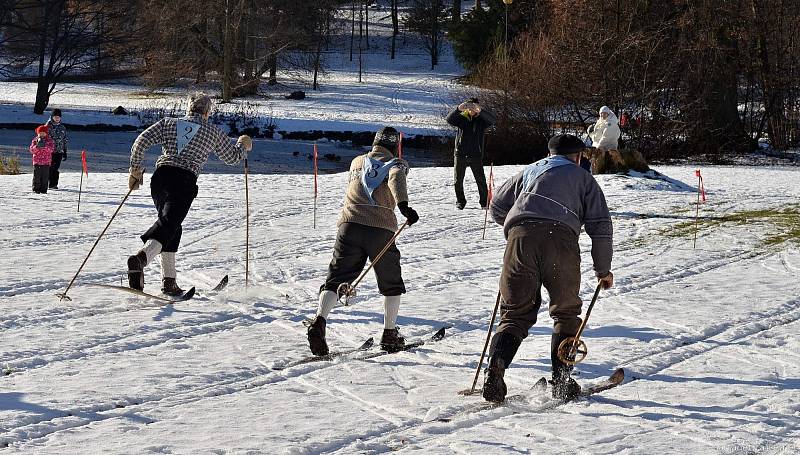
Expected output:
(376, 185)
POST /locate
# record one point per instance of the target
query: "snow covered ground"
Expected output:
(708, 336)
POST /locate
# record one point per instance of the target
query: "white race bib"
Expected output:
(186, 131)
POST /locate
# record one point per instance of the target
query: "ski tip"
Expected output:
(618, 375)
(439, 334)
(222, 283)
(541, 384)
(367, 344)
(188, 295)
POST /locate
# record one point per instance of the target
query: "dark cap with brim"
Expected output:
(565, 144)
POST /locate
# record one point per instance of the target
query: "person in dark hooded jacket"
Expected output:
(58, 133)
(472, 122)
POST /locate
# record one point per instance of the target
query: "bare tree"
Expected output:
(428, 18)
(58, 37)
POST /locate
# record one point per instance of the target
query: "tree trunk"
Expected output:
(616, 161)
(227, 58)
(273, 69)
(317, 57)
(477, 4)
(352, 27)
(366, 23)
(456, 11)
(395, 26)
(42, 96)
(360, 38)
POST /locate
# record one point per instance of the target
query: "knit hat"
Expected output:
(565, 144)
(56, 113)
(42, 129)
(388, 138)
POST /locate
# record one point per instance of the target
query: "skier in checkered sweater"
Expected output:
(186, 143)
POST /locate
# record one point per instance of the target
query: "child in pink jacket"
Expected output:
(41, 148)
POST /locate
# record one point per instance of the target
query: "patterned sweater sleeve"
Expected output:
(397, 181)
(229, 152)
(149, 137)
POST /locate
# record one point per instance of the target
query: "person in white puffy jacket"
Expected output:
(605, 132)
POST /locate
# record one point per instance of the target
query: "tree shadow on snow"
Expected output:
(619, 331)
(780, 384)
(685, 411)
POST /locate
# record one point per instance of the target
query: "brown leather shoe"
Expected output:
(136, 265)
(170, 287)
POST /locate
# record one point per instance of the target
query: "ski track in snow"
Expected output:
(408, 398)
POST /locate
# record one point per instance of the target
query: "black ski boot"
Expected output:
(170, 287)
(564, 387)
(391, 341)
(136, 265)
(504, 348)
(316, 336)
(494, 387)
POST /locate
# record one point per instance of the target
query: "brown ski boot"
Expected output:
(316, 336)
(564, 387)
(170, 287)
(504, 348)
(391, 341)
(136, 265)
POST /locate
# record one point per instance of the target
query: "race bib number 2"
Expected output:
(186, 132)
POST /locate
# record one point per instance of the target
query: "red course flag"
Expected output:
(83, 159)
(400, 147)
(700, 186)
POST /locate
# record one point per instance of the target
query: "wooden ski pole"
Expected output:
(64, 295)
(472, 391)
(572, 346)
(247, 227)
(80, 190)
(488, 199)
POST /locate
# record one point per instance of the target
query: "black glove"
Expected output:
(65, 155)
(408, 212)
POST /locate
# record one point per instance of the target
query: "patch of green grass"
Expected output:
(778, 225)
(10, 165)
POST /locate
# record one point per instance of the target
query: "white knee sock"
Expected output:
(391, 305)
(327, 299)
(151, 249)
(168, 265)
